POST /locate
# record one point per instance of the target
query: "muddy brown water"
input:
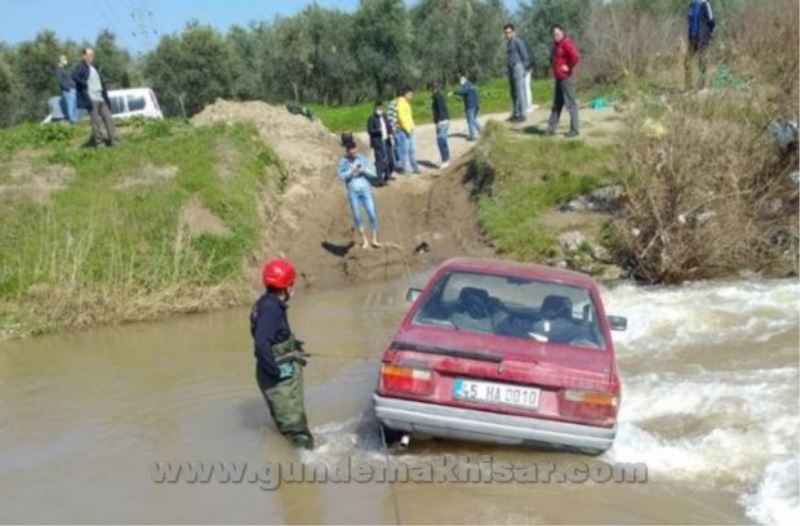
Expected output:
(709, 404)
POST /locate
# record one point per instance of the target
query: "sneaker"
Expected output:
(445, 165)
(572, 134)
(550, 133)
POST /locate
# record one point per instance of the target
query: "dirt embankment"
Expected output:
(423, 219)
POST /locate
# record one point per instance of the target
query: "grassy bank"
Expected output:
(519, 178)
(494, 99)
(162, 223)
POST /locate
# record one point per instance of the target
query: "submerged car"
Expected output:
(506, 353)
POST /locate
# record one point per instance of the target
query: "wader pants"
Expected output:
(284, 398)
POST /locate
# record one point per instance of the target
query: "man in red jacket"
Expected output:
(565, 57)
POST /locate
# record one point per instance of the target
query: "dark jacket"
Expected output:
(81, 78)
(517, 53)
(268, 326)
(64, 79)
(439, 106)
(469, 92)
(700, 23)
(374, 129)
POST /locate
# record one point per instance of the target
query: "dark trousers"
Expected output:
(564, 96)
(696, 53)
(383, 159)
(103, 128)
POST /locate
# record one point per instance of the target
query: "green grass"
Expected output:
(103, 237)
(494, 99)
(520, 178)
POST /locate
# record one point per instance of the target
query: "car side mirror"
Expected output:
(412, 295)
(618, 323)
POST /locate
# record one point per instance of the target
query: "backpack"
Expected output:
(695, 18)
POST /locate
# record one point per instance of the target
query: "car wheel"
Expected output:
(592, 452)
(391, 437)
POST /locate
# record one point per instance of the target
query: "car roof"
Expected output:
(128, 91)
(522, 270)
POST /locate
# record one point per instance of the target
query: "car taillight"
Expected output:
(590, 406)
(406, 379)
(591, 398)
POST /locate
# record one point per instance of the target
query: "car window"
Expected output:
(117, 105)
(136, 102)
(513, 307)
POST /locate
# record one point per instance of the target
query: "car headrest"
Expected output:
(472, 293)
(556, 307)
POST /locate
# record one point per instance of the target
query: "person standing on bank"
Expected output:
(517, 61)
(441, 117)
(529, 67)
(564, 59)
(93, 97)
(469, 92)
(406, 135)
(279, 356)
(701, 24)
(67, 86)
(380, 140)
(355, 170)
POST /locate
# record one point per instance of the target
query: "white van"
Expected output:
(125, 103)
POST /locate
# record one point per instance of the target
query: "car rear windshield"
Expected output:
(513, 307)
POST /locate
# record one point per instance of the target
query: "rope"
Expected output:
(392, 488)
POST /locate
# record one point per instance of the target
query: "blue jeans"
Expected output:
(473, 125)
(69, 105)
(441, 140)
(396, 151)
(357, 199)
(407, 144)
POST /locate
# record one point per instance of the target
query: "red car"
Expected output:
(503, 352)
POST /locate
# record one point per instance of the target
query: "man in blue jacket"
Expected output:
(517, 61)
(700, 24)
(472, 105)
(93, 97)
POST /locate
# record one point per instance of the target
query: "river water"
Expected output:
(710, 405)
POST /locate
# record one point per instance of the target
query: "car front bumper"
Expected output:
(483, 426)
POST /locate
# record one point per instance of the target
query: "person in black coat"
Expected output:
(380, 140)
(441, 117)
(93, 97)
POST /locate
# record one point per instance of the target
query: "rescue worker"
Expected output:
(279, 356)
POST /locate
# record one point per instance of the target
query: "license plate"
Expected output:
(494, 393)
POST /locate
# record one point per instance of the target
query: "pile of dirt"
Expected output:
(424, 219)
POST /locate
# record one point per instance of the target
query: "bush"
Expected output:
(709, 197)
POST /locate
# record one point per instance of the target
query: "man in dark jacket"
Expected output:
(380, 140)
(701, 24)
(279, 356)
(67, 86)
(441, 117)
(565, 58)
(93, 97)
(517, 61)
(469, 92)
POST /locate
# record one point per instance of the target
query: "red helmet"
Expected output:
(278, 273)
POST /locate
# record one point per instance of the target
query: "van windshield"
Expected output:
(513, 307)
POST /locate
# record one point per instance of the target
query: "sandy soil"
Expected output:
(423, 218)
